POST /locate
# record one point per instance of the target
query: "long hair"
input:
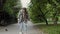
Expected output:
(25, 10)
(25, 13)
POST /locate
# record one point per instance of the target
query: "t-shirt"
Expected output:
(20, 15)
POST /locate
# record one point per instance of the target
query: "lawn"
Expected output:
(50, 29)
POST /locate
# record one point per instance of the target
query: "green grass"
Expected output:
(50, 29)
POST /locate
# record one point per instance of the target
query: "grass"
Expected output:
(50, 29)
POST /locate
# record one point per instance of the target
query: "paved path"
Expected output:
(32, 29)
(14, 29)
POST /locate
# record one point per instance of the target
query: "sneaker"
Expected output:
(20, 32)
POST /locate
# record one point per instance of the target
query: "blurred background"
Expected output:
(45, 14)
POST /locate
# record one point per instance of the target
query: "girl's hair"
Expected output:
(25, 13)
(25, 10)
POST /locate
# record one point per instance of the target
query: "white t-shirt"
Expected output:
(20, 15)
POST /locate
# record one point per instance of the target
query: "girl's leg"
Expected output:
(25, 22)
(21, 28)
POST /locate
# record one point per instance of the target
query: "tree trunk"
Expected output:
(46, 22)
(43, 15)
(55, 21)
(45, 19)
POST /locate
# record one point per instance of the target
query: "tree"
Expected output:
(55, 4)
(41, 10)
(37, 11)
(8, 11)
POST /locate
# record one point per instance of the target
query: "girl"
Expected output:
(22, 20)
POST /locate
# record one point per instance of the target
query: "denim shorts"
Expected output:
(23, 26)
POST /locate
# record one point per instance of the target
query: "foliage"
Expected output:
(41, 10)
(36, 10)
(9, 11)
(9, 6)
